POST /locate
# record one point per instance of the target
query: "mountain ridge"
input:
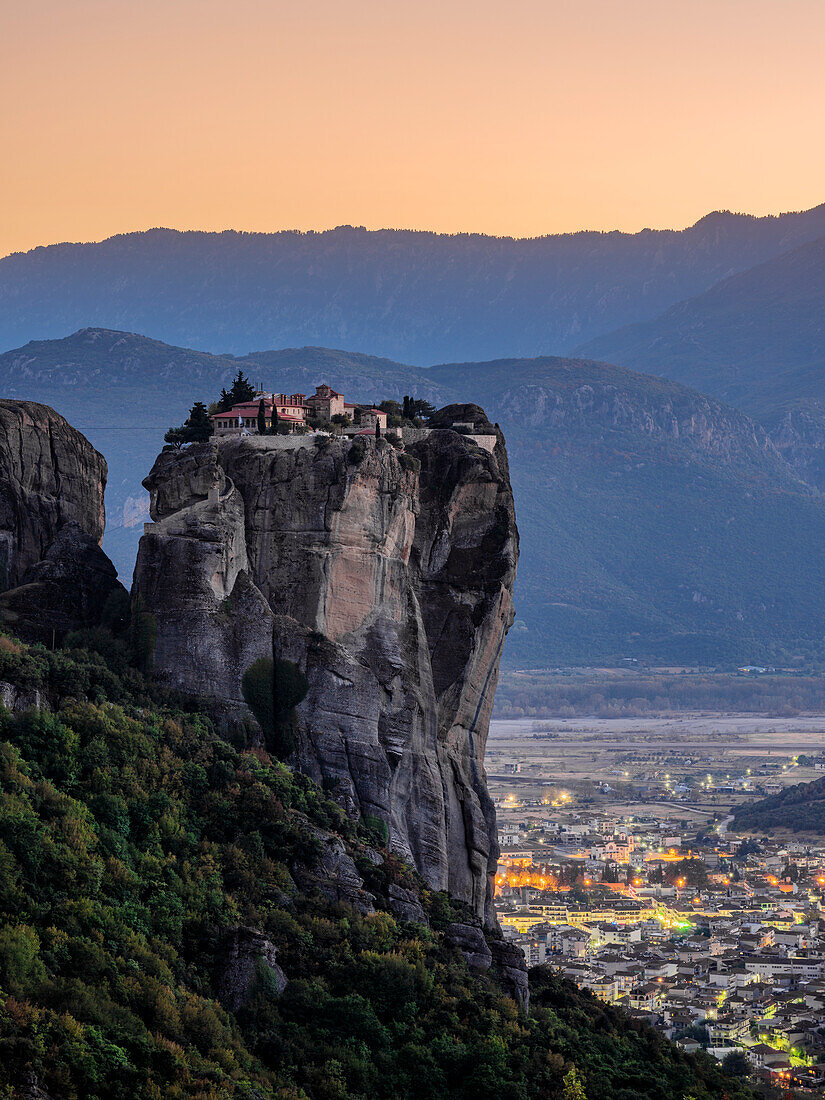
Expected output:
(407, 294)
(656, 521)
(755, 339)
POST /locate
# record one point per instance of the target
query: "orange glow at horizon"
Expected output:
(526, 118)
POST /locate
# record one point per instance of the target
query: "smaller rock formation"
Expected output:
(470, 941)
(505, 959)
(510, 965)
(31, 1089)
(334, 875)
(50, 475)
(54, 577)
(68, 590)
(245, 957)
(405, 905)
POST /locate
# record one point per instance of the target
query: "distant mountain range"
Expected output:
(413, 296)
(756, 340)
(656, 522)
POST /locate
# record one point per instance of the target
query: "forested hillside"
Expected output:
(800, 808)
(180, 916)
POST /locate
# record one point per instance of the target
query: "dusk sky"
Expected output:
(522, 117)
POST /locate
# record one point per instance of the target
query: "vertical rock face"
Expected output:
(54, 577)
(387, 578)
(50, 475)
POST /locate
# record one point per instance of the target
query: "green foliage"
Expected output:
(409, 463)
(736, 1064)
(690, 872)
(614, 1055)
(133, 839)
(572, 1088)
(377, 830)
(413, 408)
(262, 418)
(747, 848)
(394, 413)
(240, 391)
(357, 452)
(800, 808)
(195, 429)
(273, 702)
(696, 1031)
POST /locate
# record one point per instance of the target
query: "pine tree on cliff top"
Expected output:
(195, 429)
(240, 391)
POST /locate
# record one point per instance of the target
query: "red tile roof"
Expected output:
(251, 411)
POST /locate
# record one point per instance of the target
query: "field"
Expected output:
(643, 765)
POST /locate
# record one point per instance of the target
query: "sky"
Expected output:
(513, 117)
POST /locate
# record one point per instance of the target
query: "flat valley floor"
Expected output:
(724, 760)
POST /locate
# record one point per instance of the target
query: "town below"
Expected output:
(623, 866)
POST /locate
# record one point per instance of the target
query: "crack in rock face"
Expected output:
(387, 580)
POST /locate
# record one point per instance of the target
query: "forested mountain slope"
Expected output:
(800, 808)
(755, 340)
(184, 917)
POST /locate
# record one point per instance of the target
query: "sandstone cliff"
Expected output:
(387, 577)
(53, 575)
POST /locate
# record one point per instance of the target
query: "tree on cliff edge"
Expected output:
(240, 391)
(195, 429)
